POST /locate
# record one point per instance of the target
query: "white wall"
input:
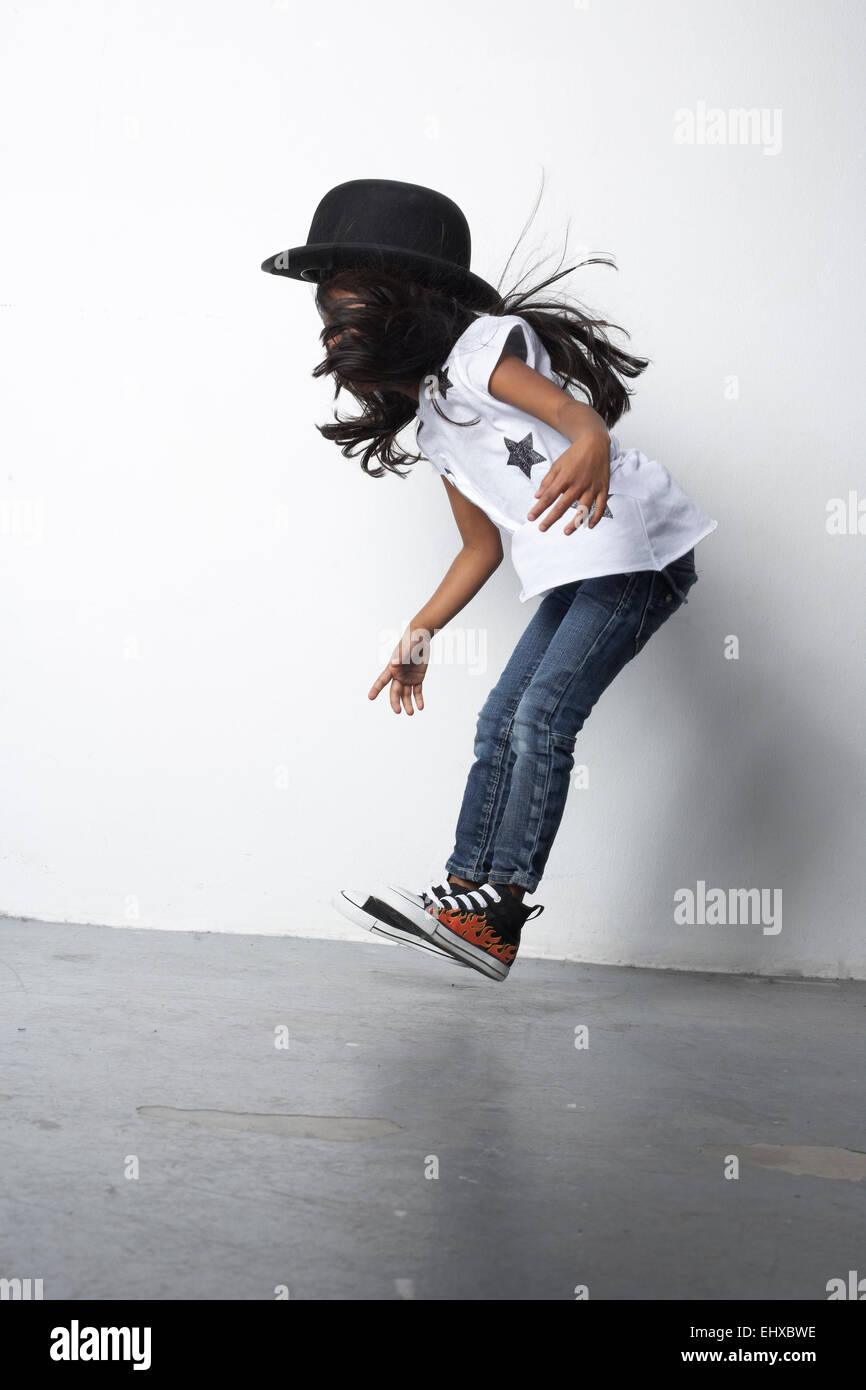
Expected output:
(186, 739)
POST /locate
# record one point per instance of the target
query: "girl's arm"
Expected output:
(480, 555)
(582, 473)
(472, 567)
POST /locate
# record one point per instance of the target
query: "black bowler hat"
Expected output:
(385, 223)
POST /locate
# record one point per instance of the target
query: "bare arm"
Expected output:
(582, 474)
(472, 567)
(470, 570)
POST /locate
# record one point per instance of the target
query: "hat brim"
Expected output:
(316, 263)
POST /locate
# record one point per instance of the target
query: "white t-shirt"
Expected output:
(499, 463)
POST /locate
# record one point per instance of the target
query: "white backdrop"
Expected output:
(197, 588)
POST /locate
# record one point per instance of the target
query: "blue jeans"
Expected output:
(578, 639)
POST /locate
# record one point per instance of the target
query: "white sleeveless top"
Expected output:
(499, 462)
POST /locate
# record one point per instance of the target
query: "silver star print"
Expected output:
(522, 455)
(445, 382)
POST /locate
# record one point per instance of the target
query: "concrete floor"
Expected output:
(557, 1166)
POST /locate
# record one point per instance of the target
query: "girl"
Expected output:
(603, 535)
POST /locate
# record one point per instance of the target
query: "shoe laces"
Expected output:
(452, 895)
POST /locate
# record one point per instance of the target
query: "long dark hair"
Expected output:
(391, 329)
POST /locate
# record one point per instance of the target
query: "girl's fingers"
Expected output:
(550, 489)
(590, 501)
(600, 504)
(559, 510)
(401, 692)
(580, 516)
(379, 684)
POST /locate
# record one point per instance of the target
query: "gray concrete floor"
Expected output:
(557, 1166)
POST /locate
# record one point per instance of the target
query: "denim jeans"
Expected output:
(578, 639)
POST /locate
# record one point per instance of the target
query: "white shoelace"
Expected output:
(470, 900)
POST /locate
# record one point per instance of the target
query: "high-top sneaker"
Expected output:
(479, 927)
(482, 926)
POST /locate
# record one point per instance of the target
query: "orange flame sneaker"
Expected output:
(478, 926)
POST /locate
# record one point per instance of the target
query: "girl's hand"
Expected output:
(581, 475)
(405, 671)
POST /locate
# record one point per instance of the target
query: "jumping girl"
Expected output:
(604, 536)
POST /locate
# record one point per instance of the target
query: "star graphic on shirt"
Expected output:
(522, 455)
(445, 382)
